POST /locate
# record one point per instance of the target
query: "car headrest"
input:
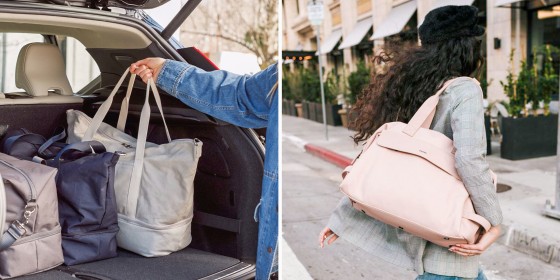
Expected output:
(40, 68)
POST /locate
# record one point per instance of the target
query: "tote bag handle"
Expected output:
(106, 106)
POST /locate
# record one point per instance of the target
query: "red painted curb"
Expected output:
(328, 155)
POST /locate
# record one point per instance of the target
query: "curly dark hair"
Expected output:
(412, 74)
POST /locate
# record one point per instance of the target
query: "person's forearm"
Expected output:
(227, 96)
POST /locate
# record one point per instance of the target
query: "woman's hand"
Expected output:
(147, 68)
(324, 235)
(483, 243)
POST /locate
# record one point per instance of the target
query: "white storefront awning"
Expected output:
(442, 3)
(355, 37)
(329, 44)
(501, 3)
(395, 21)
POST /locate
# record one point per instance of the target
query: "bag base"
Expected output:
(148, 241)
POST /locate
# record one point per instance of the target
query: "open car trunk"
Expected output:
(227, 189)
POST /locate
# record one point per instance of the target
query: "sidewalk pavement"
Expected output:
(292, 268)
(533, 182)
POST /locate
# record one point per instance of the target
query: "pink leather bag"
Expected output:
(405, 176)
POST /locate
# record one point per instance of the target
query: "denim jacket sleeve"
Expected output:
(238, 99)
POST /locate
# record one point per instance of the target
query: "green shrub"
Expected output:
(358, 80)
(310, 85)
(334, 85)
(549, 80)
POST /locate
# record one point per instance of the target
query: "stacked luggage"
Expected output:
(75, 202)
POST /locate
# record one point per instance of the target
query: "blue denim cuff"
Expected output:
(169, 75)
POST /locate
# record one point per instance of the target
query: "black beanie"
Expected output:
(449, 22)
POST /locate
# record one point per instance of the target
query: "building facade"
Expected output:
(354, 30)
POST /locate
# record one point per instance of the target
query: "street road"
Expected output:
(310, 192)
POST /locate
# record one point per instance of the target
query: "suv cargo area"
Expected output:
(228, 180)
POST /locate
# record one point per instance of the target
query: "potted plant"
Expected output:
(310, 92)
(357, 81)
(549, 80)
(526, 132)
(332, 90)
(287, 96)
(292, 91)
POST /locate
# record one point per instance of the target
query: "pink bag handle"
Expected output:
(479, 220)
(424, 116)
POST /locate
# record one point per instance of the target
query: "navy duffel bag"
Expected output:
(86, 196)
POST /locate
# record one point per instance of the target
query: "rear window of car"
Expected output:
(80, 66)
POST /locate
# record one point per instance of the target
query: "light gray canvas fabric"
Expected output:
(154, 184)
(30, 191)
(460, 116)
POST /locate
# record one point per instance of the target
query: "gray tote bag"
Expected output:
(154, 184)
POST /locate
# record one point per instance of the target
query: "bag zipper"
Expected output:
(86, 118)
(126, 145)
(116, 229)
(37, 236)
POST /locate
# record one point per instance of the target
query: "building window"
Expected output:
(364, 6)
(336, 16)
(544, 29)
(297, 7)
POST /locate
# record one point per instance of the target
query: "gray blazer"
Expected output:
(460, 116)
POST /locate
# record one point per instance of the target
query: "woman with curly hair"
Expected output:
(450, 49)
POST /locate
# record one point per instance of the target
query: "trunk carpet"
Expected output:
(186, 264)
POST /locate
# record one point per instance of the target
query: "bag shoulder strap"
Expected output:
(425, 114)
(50, 142)
(10, 141)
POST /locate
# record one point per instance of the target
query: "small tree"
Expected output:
(548, 81)
(358, 80)
(535, 83)
(310, 85)
(525, 87)
(292, 85)
(515, 103)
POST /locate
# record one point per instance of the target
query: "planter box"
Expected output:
(312, 111)
(305, 109)
(488, 135)
(292, 108)
(285, 109)
(289, 107)
(333, 117)
(529, 137)
(318, 112)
